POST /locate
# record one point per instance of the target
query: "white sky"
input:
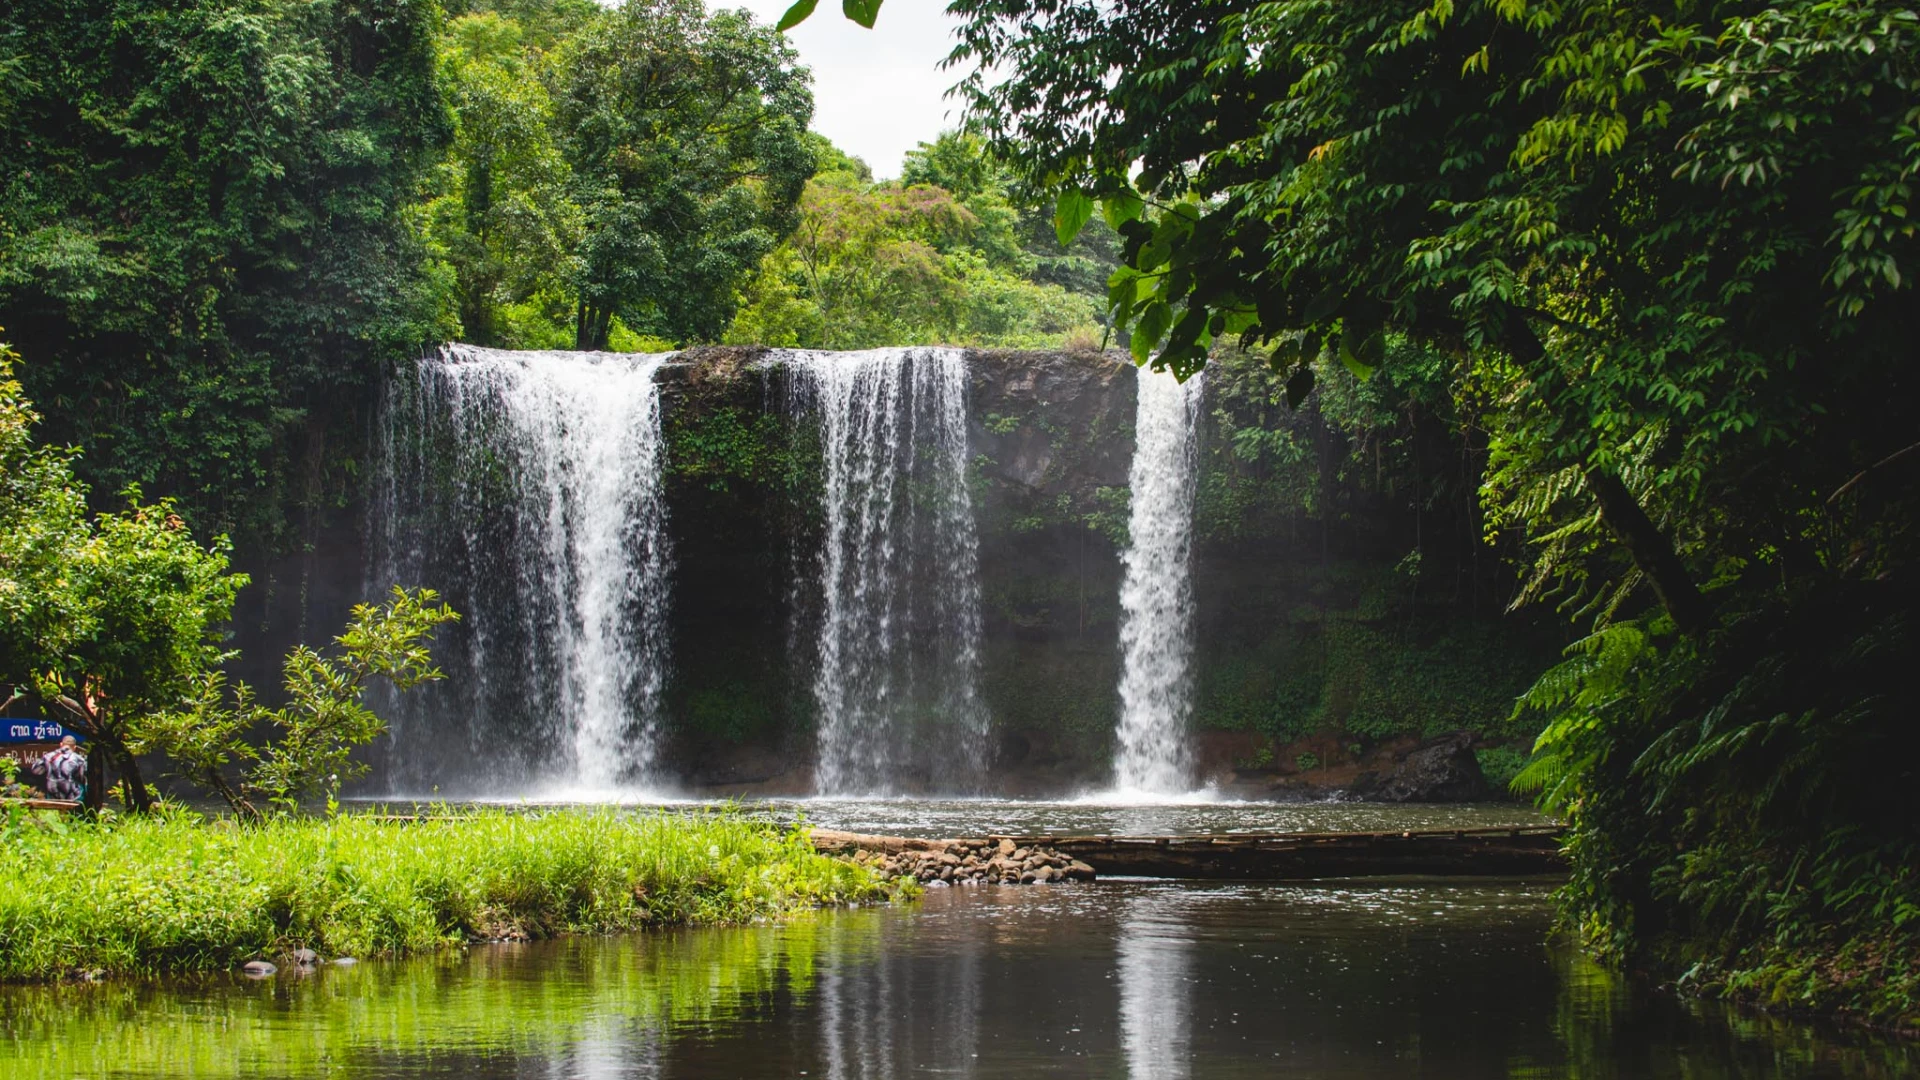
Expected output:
(876, 92)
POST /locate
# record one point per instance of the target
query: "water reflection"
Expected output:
(610, 1048)
(914, 998)
(1155, 965)
(1135, 979)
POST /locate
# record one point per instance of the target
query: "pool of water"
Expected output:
(1096, 817)
(1092, 816)
(1115, 979)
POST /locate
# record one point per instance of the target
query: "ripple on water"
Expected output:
(1199, 814)
(1095, 816)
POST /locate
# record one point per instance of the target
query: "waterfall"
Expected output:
(527, 487)
(1156, 590)
(896, 575)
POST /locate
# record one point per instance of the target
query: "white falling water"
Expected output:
(896, 680)
(533, 495)
(1156, 591)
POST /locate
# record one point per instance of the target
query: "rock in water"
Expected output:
(304, 957)
(258, 969)
(1441, 770)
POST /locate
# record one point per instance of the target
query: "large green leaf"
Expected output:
(798, 13)
(1148, 330)
(1361, 351)
(860, 11)
(1299, 385)
(1122, 288)
(1122, 208)
(1072, 214)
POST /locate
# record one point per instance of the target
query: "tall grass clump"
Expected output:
(184, 893)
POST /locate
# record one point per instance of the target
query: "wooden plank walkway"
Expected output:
(42, 804)
(1520, 850)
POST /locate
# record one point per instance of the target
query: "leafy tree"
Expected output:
(204, 236)
(1489, 177)
(43, 515)
(1016, 230)
(888, 264)
(504, 221)
(107, 622)
(1665, 242)
(958, 163)
(117, 627)
(309, 741)
(685, 133)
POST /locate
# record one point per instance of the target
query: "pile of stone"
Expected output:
(991, 861)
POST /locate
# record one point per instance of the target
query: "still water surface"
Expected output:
(1200, 815)
(1133, 979)
(1098, 817)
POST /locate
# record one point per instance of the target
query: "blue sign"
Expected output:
(17, 730)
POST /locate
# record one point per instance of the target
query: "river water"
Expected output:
(1202, 814)
(1100, 815)
(1116, 979)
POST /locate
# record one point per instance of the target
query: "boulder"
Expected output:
(304, 957)
(1439, 770)
(258, 969)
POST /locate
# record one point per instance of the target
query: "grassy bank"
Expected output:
(183, 893)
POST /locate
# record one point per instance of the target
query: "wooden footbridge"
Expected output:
(1299, 856)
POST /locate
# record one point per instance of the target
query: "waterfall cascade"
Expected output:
(526, 485)
(1156, 591)
(898, 591)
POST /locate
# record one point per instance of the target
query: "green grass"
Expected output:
(182, 893)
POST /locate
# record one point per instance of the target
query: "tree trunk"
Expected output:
(590, 328)
(96, 794)
(1651, 550)
(139, 800)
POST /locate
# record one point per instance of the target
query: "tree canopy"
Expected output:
(685, 133)
(203, 237)
(1667, 246)
(939, 257)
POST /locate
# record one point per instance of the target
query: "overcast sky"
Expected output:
(876, 92)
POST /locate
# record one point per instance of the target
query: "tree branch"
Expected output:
(1651, 549)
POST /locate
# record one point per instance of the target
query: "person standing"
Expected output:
(65, 769)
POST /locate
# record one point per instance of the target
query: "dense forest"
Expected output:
(1609, 305)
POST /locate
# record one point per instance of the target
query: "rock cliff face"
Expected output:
(1293, 638)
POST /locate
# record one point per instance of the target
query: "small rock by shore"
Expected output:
(978, 861)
